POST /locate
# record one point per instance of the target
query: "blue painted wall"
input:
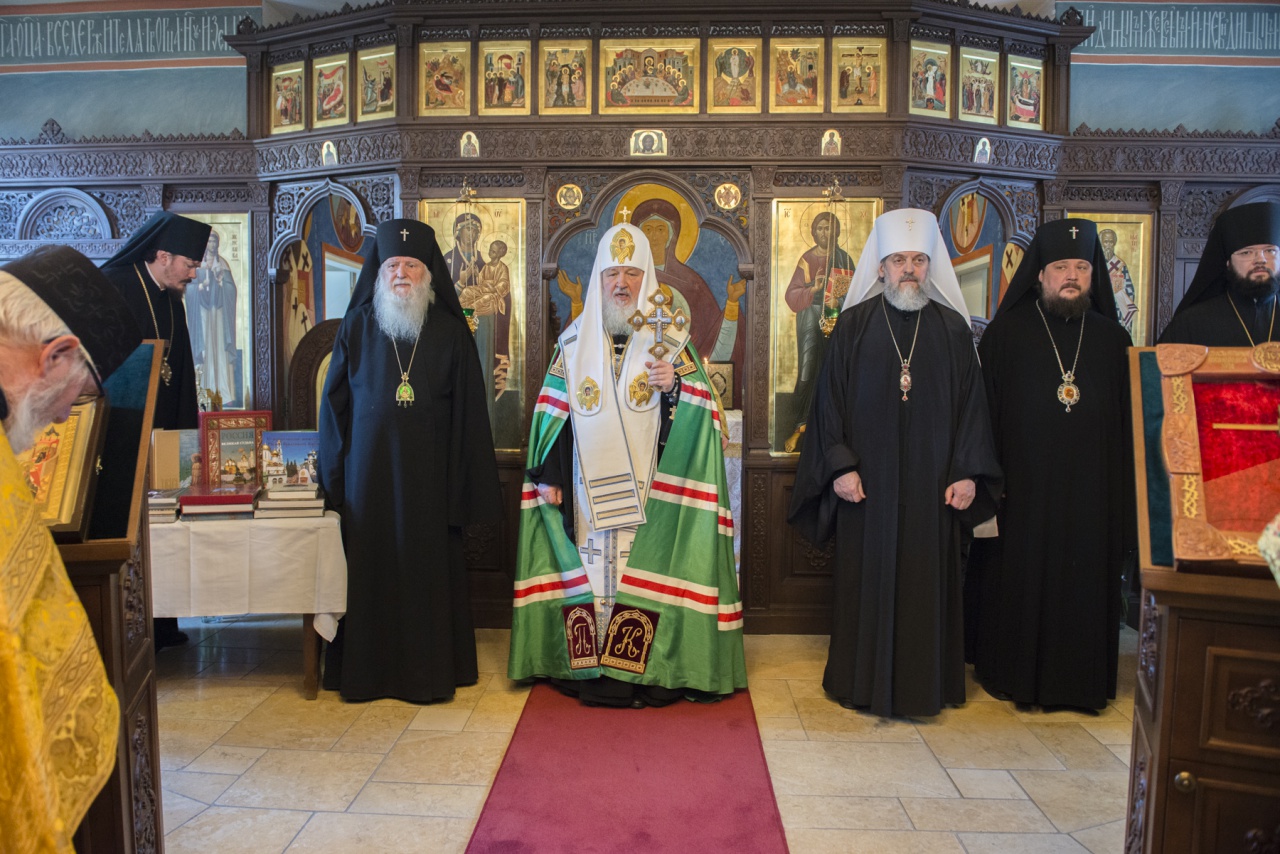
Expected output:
(1154, 66)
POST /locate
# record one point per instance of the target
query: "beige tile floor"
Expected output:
(248, 765)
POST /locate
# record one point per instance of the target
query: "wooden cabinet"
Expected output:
(1205, 768)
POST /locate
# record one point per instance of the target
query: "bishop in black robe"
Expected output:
(406, 480)
(1220, 309)
(160, 312)
(1048, 587)
(897, 632)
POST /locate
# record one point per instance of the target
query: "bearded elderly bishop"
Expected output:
(896, 463)
(1044, 596)
(625, 591)
(406, 457)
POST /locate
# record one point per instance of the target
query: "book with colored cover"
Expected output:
(289, 493)
(290, 458)
(227, 496)
(299, 513)
(269, 502)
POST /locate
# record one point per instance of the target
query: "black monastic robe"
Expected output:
(897, 633)
(1213, 322)
(1048, 588)
(406, 480)
(176, 407)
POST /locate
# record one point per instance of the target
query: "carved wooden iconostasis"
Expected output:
(749, 142)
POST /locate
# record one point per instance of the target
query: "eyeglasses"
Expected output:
(1266, 252)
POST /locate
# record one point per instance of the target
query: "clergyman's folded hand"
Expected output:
(960, 494)
(849, 487)
(551, 494)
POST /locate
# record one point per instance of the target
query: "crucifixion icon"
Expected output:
(660, 318)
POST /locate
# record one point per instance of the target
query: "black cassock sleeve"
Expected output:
(824, 454)
(335, 423)
(474, 494)
(974, 452)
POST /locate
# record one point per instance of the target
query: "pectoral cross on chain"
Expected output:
(1269, 428)
(660, 319)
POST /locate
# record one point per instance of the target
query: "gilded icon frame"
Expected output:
(719, 96)
(520, 53)
(61, 468)
(378, 60)
(684, 52)
(293, 75)
(1133, 249)
(924, 85)
(979, 67)
(793, 238)
(561, 51)
(503, 220)
(804, 52)
(873, 80)
(1021, 109)
(328, 110)
(235, 249)
(436, 59)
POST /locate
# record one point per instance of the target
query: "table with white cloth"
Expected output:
(210, 568)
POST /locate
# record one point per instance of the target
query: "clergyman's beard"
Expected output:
(1067, 308)
(401, 317)
(32, 414)
(903, 298)
(617, 318)
(1246, 287)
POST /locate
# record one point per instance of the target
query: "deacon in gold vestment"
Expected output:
(63, 327)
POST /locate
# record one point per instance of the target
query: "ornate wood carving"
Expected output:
(1266, 357)
(444, 34)
(1093, 193)
(283, 57)
(479, 544)
(1149, 644)
(286, 206)
(12, 203)
(506, 32)
(796, 30)
(1195, 539)
(1163, 156)
(735, 30)
(375, 39)
(537, 348)
(755, 429)
(817, 558)
(1199, 207)
(1025, 202)
(859, 30)
(925, 191)
(649, 31)
(706, 182)
(169, 157)
(1177, 359)
(1036, 51)
(1259, 703)
(936, 34)
(145, 802)
(1136, 830)
(134, 593)
(56, 216)
(991, 43)
(759, 513)
(565, 31)
(378, 194)
(859, 178)
(590, 182)
(1258, 841)
(331, 47)
(452, 180)
(263, 310)
(901, 29)
(225, 195)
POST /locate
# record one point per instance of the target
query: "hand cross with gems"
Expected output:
(659, 319)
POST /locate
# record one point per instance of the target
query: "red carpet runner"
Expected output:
(685, 778)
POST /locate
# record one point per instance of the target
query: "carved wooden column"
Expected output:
(255, 87)
(900, 59)
(407, 195)
(1167, 252)
(1054, 199)
(536, 299)
(407, 95)
(266, 392)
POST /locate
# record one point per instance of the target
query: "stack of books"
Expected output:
(162, 505)
(228, 501)
(291, 501)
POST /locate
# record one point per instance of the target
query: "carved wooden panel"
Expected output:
(1149, 651)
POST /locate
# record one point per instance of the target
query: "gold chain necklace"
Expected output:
(904, 379)
(1247, 333)
(404, 391)
(1068, 392)
(166, 372)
